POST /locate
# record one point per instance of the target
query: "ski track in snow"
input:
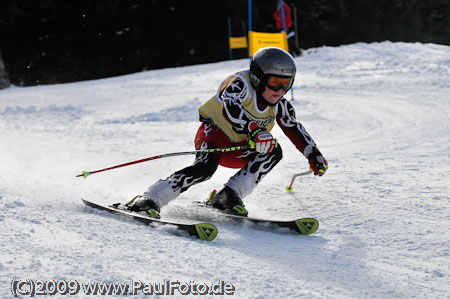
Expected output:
(379, 113)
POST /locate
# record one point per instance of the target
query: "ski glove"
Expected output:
(261, 140)
(317, 162)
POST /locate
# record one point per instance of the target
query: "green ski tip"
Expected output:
(307, 226)
(240, 209)
(206, 231)
(86, 174)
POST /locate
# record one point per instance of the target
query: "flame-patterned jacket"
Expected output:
(236, 104)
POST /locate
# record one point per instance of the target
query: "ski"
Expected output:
(203, 231)
(303, 226)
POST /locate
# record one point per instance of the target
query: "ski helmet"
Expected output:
(271, 61)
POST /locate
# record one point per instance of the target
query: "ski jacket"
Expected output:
(287, 17)
(236, 104)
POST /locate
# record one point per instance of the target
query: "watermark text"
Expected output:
(33, 287)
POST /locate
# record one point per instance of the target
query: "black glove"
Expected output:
(317, 162)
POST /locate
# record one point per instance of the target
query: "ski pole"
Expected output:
(85, 174)
(289, 188)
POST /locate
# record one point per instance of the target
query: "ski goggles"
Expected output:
(276, 83)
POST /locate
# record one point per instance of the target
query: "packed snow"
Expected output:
(379, 113)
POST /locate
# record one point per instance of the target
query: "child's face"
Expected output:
(272, 96)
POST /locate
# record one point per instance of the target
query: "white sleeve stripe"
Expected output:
(233, 119)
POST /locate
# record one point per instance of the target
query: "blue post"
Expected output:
(249, 15)
(284, 29)
(249, 25)
(282, 15)
(229, 35)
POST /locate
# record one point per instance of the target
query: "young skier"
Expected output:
(244, 110)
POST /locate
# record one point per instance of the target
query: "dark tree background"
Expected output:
(51, 41)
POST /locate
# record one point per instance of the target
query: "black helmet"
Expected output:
(271, 61)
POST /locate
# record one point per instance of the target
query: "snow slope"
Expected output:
(379, 112)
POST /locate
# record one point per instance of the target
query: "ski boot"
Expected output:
(228, 201)
(144, 205)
